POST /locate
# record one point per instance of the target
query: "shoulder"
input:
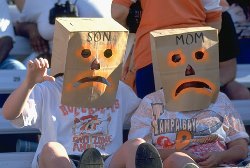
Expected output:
(155, 97)
(222, 104)
(222, 99)
(125, 90)
(126, 94)
(51, 86)
(124, 87)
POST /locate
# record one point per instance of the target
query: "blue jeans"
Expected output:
(145, 81)
(10, 63)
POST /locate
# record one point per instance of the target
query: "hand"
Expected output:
(211, 159)
(193, 156)
(37, 72)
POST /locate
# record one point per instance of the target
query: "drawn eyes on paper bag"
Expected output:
(176, 58)
(97, 58)
(191, 81)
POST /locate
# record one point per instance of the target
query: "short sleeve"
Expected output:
(141, 121)
(213, 10)
(126, 3)
(6, 26)
(212, 5)
(31, 114)
(130, 102)
(233, 124)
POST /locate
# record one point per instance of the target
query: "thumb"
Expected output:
(48, 78)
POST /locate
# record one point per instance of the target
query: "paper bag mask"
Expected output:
(186, 66)
(89, 52)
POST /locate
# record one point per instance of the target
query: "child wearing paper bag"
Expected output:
(82, 108)
(187, 119)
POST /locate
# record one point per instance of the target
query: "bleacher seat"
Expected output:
(16, 159)
(243, 74)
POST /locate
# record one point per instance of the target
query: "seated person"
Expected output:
(26, 25)
(229, 50)
(189, 120)
(81, 111)
(7, 39)
(35, 20)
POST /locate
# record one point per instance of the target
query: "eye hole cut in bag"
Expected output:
(62, 10)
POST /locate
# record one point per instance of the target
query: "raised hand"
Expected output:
(37, 72)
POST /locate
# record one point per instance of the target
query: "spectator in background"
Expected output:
(100, 129)
(159, 15)
(35, 15)
(27, 26)
(132, 23)
(240, 12)
(7, 39)
(228, 51)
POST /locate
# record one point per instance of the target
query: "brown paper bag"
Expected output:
(89, 51)
(186, 66)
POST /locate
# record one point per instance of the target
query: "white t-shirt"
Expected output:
(6, 26)
(77, 128)
(199, 131)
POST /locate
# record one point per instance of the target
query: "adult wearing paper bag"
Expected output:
(189, 120)
(77, 136)
(159, 15)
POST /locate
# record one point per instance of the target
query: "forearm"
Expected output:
(119, 13)
(215, 24)
(14, 105)
(6, 44)
(24, 28)
(235, 153)
(227, 71)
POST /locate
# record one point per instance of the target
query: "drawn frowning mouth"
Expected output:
(92, 79)
(193, 84)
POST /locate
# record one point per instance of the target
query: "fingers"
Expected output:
(40, 63)
(37, 71)
(49, 78)
(46, 62)
(209, 162)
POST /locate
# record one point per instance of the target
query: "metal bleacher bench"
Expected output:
(24, 159)
(11, 79)
(16, 159)
(243, 74)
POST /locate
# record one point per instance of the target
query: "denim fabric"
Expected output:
(145, 81)
(10, 63)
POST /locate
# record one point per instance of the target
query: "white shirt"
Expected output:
(207, 130)
(77, 128)
(6, 26)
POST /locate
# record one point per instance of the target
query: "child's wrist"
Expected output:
(28, 84)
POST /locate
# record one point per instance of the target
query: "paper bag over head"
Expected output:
(186, 66)
(89, 51)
